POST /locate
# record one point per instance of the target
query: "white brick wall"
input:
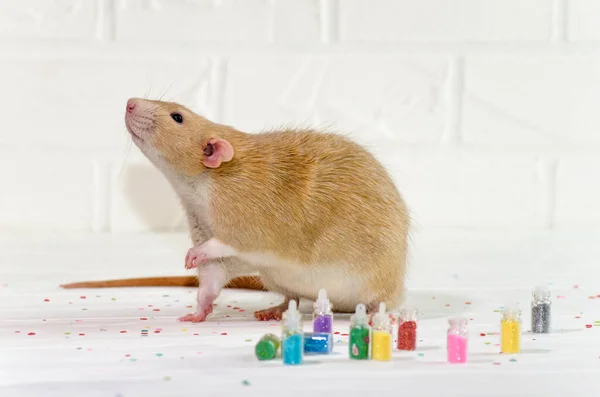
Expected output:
(487, 112)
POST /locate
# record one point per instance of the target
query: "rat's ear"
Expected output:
(217, 151)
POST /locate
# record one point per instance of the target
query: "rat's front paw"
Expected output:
(197, 317)
(195, 256)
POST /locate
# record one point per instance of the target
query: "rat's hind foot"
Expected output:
(275, 312)
(197, 317)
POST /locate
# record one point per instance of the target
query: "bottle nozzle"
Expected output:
(381, 318)
(291, 318)
(322, 304)
(541, 291)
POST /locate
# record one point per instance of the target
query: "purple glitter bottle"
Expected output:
(322, 315)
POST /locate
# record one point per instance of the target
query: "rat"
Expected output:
(303, 209)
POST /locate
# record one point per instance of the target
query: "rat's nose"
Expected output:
(130, 106)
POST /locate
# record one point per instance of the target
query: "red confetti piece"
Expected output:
(82, 297)
(228, 305)
(560, 296)
(236, 308)
(157, 332)
(577, 316)
(128, 355)
(591, 297)
(336, 333)
(344, 334)
(482, 334)
(447, 305)
(196, 334)
(189, 307)
(143, 318)
(576, 286)
(496, 363)
(150, 305)
(82, 334)
(242, 311)
(598, 296)
(123, 331)
(223, 333)
(467, 303)
(46, 300)
(31, 333)
(588, 325)
(155, 310)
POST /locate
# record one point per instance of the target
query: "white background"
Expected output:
(486, 112)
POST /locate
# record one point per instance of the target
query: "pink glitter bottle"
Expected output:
(457, 340)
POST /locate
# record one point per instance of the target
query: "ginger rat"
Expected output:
(303, 209)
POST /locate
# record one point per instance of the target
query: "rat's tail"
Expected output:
(246, 282)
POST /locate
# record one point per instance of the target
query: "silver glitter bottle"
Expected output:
(540, 310)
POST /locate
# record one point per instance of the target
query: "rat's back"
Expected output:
(314, 210)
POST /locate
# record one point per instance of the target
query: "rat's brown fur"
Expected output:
(305, 209)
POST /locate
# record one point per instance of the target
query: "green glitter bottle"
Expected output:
(267, 346)
(360, 334)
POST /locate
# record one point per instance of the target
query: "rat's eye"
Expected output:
(177, 117)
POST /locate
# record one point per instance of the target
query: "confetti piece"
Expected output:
(482, 334)
(167, 378)
(447, 305)
(560, 296)
(155, 310)
(487, 343)
(46, 300)
(17, 332)
(113, 299)
(79, 348)
(467, 303)
(514, 360)
(588, 325)
(31, 333)
(159, 354)
(133, 359)
(143, 318)
(420, 354)
(248, 340)
(184, 330)
(165, 296)
(245, 382)
(83, 297)
(67, 333)
(82, 334)
(496, 363)
(576, 286)
(123, 332)
(577, 316)
(236, 308)
(128, 355)
(336, 333)
(223, 333)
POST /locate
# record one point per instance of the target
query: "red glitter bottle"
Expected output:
(407, 330)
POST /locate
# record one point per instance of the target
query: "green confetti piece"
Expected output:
(133, 359)
(113, 299)
(167, 378)
(420, 354)
(514, 360)
(67, 333)
(159, 354)
(248, 340)
(245, 382)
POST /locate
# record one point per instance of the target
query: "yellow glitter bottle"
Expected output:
(510, 332)
(381, 347)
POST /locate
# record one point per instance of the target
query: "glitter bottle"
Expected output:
(360, 334)
(511, 330)
(322, 315)
(292, 343)
(321, 343)
(267, 346)
(382, 335)
(540, 310)
(457, 338)
(407, 330)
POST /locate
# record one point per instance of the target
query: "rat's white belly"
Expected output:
(280, 275)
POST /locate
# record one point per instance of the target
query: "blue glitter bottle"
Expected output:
(318, 343)
(292, 338)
